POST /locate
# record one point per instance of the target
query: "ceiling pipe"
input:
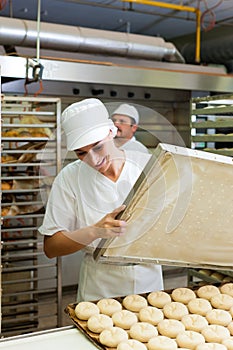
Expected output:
(178, 8)
(59, 37)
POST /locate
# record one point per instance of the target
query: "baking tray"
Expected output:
(180, 212)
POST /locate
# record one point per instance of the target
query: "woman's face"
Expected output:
(97, 155)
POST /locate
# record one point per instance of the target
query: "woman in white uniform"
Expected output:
(85, 199)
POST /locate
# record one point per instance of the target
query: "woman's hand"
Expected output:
(109, 226)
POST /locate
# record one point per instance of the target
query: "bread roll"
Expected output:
(220, 317)
(143, 331)
(199, 306)
(113, 336)
(170, 328)
(230, 327)
(124, 319)
(228, 343)
(161, 343)
(211, 346)
(227, 289)
(134, 302)
(175, 310)
(222, 301)
(86, 309)
(183, 295)
(131, 344)
(108, 306)
(207, 291)
(159, 299)
(194, 322)
(215, 333)
(151, 315)
(97, 323)
(190, 339)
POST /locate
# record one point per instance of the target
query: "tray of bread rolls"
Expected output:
(197, 318)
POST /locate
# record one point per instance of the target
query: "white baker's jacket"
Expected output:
(81, 196)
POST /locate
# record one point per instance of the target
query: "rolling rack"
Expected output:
(30, 159)
(212, 131)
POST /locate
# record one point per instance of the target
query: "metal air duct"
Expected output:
(17, 32)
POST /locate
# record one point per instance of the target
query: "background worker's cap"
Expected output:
(86, 122)
(127, 110)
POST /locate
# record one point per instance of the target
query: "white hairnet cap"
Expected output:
(128, 110)
(86, 122)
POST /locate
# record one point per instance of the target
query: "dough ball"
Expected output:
(134, 302)
(151, 315)
(97, 323)
(230, 327)
(228, 343)
(131, 344)
(143, 331)
(175, 310)
(217, 316)
(113, 336)
(194, 322)
(215, 333)
(207, 291)
(170, 328)
(159, 299)
(86, 309)
(227, 289)
(211, 346)
(183, 295)
(190, 339)
(199, 306)
(222, 301)
(231, 311)
(108, 306)
(124, 319)
(161, 343)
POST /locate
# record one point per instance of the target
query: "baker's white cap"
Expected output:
(128, 110)
(85, 122)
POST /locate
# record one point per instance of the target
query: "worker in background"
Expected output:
(126, 119)
(85, 199)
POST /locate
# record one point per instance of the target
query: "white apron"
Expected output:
(103, 280)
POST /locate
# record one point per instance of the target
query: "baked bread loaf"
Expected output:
(207, 291)
(194, 322)
(158, 299)
(175, 310)
(108, 306)
(86, 309)
(124, 319)
(97, 323)
(222, 301)
(134, 302)
(113, 336)
(190, 339)
(170, 328)
(143, 331)
(215, 334)
(199, 306)
(151, 315)
(183, 295)
(131, 344)
(218, 316)
(161, 343)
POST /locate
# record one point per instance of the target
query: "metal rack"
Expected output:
(212, 124)
(31, 158)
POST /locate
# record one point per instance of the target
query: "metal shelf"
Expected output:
(24, 267)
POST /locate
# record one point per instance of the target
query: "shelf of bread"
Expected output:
(184, 317)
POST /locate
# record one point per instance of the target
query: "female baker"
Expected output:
(85, 199)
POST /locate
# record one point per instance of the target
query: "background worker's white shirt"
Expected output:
(81, 196)
(134, 145)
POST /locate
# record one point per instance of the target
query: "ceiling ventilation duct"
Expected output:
(213, 51)
(17, 32)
